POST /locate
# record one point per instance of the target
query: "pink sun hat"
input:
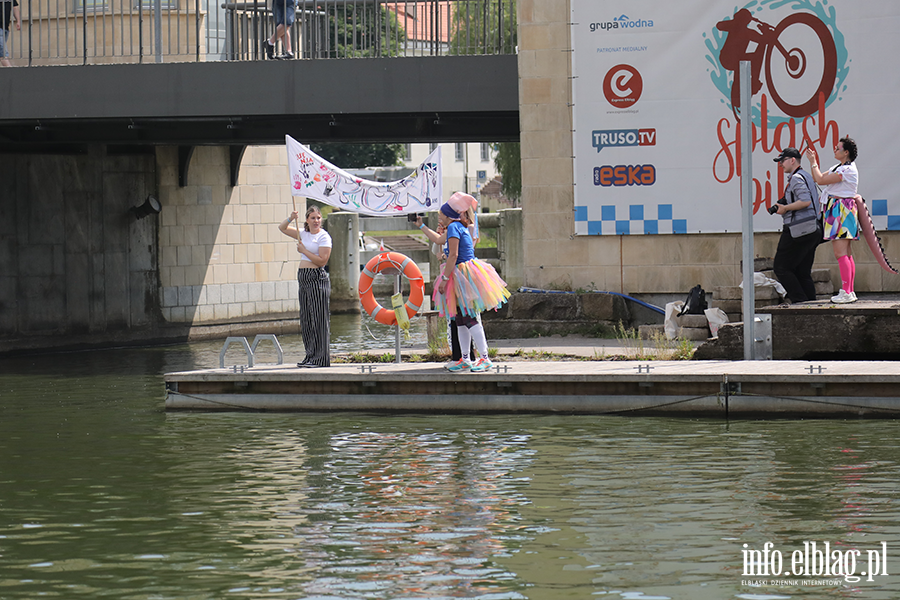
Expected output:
(461, 202)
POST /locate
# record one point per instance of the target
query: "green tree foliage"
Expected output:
(508, 162)
(356, 31)
(483, 27)
(490, 27)
(359, 156)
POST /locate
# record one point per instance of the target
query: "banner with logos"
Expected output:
(316, 178)
(657, 118)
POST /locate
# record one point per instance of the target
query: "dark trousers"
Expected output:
(793, 264)
(315, 315)
(455, 350)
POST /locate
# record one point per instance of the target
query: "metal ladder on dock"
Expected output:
(250, 349)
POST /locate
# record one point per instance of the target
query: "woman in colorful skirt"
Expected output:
(839, 215)
(467, 287)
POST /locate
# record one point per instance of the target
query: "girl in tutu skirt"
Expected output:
(467, 286)
(840, 216)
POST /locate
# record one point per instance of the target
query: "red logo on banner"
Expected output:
(622, 86)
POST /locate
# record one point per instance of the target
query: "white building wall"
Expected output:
(461, 165)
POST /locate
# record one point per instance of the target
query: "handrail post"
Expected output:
(83, 32)
(141, 32)
(157, 23)
(197, 27)
(30, 22)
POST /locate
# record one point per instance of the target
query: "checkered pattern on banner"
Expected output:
(881, 218)
(638, 220)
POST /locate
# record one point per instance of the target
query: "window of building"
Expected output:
(460, 152)
(149, 4)
(485, 152)
(407, 152)
(91, 5)
(432, 148)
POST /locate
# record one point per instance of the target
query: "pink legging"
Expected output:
(847, 266)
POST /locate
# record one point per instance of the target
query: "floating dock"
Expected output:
(724, 389)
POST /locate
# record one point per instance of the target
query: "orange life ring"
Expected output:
(409, 269)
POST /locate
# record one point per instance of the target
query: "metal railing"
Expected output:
(128, 31)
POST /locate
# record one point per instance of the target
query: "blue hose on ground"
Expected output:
(635, 300)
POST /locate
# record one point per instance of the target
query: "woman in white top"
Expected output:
(314, 246)
(839, 216)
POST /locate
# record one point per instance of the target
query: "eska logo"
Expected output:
(622, 175)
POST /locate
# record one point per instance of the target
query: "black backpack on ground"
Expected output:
(695, 303)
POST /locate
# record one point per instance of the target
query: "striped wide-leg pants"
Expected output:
(315, 315)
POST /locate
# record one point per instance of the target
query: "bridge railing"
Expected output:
(128, 31)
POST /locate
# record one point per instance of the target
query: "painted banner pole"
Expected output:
(749, 295)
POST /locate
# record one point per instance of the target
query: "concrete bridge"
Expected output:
(91, 129)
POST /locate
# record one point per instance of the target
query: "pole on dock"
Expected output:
(749, 295)
(397, 326)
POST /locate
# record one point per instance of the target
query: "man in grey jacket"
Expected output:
(796, 253)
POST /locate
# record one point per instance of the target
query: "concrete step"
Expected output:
(737, 293)
(737, 306)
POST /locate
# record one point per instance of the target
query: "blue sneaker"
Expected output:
(482, 364)
(459, 366)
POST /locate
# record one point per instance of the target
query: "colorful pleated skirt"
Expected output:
(840, 219)
(474, 287)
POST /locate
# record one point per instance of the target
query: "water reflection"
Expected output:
(102, 494)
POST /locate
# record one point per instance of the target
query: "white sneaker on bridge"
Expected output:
(844, 297)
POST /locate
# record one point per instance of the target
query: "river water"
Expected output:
(105, 495)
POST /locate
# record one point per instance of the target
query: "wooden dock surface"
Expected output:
(685, 388)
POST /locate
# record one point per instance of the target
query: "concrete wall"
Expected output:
(222, 257)
(73, 258)
(639, 264)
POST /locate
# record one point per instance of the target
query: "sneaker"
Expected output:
(459, 366)
(482, 364)
(844, 297)
(285, 56)
(269, 49)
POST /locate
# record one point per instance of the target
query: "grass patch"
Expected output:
(364, 358)
(658, 347)
(537, 355)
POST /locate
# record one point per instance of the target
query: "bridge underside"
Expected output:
(460, 98)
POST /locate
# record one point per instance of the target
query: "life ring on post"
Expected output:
(409, 269)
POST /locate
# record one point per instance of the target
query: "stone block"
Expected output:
(736, 306)
(693, 321)
(824, 288)
(821, 275)
(737, 293)
(728, 293)
(551, 307)
(604, 307)
(693, 334)
(766, 293)
(761, 263)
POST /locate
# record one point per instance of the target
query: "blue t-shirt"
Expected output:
(466, 251)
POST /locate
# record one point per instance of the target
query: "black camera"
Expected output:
(774, 209)
(411, 217)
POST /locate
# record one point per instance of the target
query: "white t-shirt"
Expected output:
(313, 242)
(846, 188)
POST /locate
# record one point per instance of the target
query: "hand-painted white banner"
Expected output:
(656, 132)
(316, 178)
